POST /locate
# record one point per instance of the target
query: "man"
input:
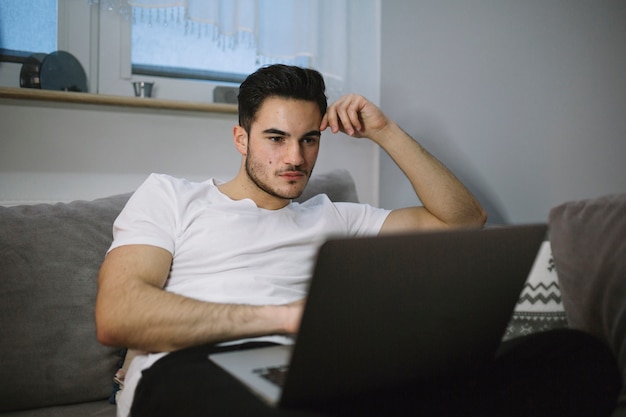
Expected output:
(195, 265)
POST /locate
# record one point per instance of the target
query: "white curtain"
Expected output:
(316, 30)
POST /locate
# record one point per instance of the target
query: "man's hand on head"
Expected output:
(356, 116)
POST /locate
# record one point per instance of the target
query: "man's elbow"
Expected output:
(109, 331)
(476, 217)
(106, 337)
(480, 218)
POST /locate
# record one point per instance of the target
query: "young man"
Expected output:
(194, 265)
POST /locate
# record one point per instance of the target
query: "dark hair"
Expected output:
(279, 81)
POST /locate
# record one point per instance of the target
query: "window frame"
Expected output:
(77, 18)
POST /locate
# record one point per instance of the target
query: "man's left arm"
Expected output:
(446, 201)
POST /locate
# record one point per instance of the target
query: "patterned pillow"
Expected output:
(539, 307)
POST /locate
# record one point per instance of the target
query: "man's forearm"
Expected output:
(446, 201)
(441, 193)
(154, 320)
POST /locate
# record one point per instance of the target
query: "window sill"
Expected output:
(109, 100)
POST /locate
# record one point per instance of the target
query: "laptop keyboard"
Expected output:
(275, 374)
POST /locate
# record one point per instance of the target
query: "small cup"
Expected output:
(143, 88)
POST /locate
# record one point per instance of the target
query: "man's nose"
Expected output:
(294, 154)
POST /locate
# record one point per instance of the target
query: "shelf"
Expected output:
(109, 100)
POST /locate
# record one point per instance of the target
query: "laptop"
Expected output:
(394, 309)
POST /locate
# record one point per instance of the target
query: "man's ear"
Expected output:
(241, 139)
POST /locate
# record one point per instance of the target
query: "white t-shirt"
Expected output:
(230, 251)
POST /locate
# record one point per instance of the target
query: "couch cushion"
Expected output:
(589, 246)
(49, 260)
(338, 185)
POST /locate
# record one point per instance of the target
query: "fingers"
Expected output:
(344, 115)
(348, 114)
(324, 123)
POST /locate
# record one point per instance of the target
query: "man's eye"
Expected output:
(309, 140)
(276, 138)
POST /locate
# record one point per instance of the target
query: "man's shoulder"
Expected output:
(171, 191)
(178, 182)
(177, 186)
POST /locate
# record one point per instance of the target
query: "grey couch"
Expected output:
(52, 365)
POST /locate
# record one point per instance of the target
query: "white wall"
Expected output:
(61, 152)
(524, 100)
(64, 152)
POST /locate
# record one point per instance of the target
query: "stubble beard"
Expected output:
(252, 168)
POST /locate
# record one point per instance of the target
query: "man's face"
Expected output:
(283, 144)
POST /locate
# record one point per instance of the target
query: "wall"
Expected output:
(524, 100)
(62, 152)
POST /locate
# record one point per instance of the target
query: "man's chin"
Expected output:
(282, 187)
(292, 194)
(293, 190)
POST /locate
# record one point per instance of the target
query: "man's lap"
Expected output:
(554, 373)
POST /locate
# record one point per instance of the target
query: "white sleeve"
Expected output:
(150, 217)
(362, 219)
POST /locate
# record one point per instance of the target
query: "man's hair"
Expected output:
(283, 81)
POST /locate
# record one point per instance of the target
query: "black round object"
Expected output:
(29, 74)
(60, 70)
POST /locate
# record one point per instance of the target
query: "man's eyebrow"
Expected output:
(317, 133)
(279, 132)
(276, 132)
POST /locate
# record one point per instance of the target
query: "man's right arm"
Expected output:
(133, 310)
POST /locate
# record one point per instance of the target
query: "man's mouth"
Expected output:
(293, 174)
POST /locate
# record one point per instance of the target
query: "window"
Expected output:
(179, 48)
(43, 26)
(133, 50)
(28, 26)
(164, 43)
(115, 49)
(168, 46)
